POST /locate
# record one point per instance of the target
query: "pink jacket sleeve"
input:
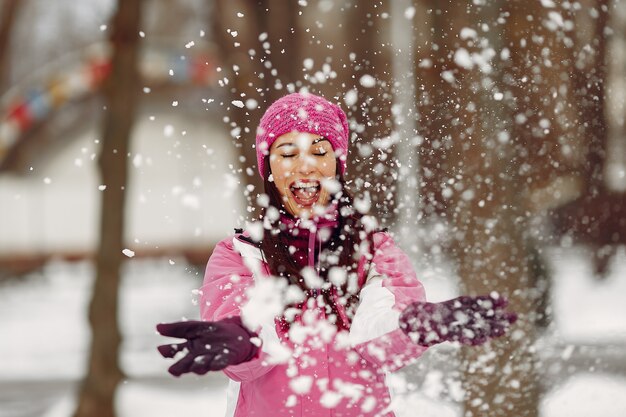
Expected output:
(391, 285)
(223, 294)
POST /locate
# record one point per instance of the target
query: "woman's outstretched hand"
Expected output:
(468, 320)
(209, 346)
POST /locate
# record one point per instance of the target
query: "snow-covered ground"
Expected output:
(44, 339)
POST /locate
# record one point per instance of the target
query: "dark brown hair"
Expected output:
(344, 243)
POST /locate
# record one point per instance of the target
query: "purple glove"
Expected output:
(468, 320)
(210, 346)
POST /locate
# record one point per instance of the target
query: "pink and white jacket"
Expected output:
(342, 376)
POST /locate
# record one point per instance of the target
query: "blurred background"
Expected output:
(488, 136)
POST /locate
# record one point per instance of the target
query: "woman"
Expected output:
(352, 307)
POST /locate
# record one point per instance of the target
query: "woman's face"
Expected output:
(299, 162)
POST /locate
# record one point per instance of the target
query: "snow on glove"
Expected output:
(468, 320)
(210, 346)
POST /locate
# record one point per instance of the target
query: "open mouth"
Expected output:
(305, 192)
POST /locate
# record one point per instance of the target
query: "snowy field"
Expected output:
(44, 337)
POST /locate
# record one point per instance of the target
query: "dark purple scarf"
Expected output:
(308, 236)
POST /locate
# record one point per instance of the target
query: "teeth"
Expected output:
(305, 191)
(310, 190)
(307, 185)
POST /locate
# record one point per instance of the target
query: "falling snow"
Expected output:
(462, 145)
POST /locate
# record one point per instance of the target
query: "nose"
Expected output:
(306, 165)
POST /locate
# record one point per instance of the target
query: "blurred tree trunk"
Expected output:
(121, 94)
(467, 153)
(588, 62)
(372, 166)
(541, 135)
(557, 77)
(268, 29)
(279, 19)
(434, 106)
(595, 218)
(8, 16)
(492, 244)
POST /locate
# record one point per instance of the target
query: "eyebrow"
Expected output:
(318, 140)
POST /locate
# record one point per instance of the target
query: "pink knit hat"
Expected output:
(306, 113)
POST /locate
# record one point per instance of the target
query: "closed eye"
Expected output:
(288, 156)
(320, 154)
